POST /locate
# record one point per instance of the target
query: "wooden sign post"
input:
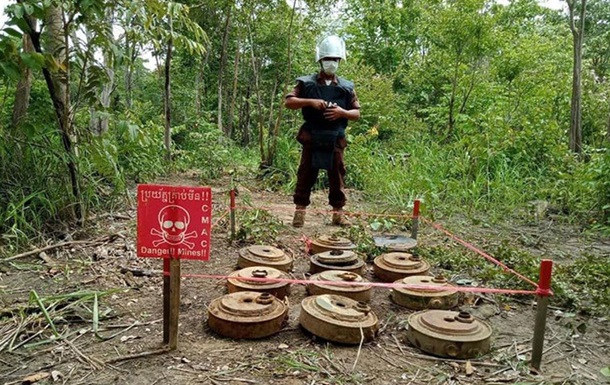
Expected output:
(174, 223)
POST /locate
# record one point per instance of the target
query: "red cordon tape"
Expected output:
(539, 291)
(544, 292)
(368, 284)
(478, 251)
(348, 213)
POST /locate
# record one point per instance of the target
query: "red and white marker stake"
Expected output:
(543, 292)
(415, 227)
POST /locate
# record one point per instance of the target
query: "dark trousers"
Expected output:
(307, 176)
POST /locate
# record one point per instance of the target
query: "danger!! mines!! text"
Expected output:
(174, 251)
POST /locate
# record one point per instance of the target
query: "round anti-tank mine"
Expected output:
(338, 319)
(427, 293)
(450, 334)
(349, 285)
(253, 279)
(263, 255)
(330, 243)
(336, 260)
(390, 267)
(247, 314)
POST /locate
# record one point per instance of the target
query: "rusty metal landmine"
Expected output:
(262, 255)
(336, 260)
(359, 293)
(238, 281)
(390, 267)
(448, 333)
(420, 298)
(247, 314)
(329, 243)
(338, 319)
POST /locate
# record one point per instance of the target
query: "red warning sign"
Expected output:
(174, 221)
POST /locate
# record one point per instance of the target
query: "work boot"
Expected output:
(339, 218)
(299, 217)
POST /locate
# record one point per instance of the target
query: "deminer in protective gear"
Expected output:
(327, 103)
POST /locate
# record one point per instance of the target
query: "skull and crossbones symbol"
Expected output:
(174, 221)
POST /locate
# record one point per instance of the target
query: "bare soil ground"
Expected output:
(131, 311)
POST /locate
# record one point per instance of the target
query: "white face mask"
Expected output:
(330, 66)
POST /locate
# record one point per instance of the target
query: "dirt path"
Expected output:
(130, 311)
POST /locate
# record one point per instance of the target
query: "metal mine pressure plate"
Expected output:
(394, 242)
(433, 293)
(252, 279)
(330, 242)
(448, 333)
(393, 266)
(324, 285)
(262, 255)
(247, 314)
(336, 260)
(338, 319)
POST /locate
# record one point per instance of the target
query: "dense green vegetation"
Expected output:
(465, 103)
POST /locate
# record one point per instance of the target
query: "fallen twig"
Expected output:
(137, 355)
(432, 371)
(69, 375)
(414, 377)
(184, 370)
(236, 379)
(98, 241)
(102, 338)
(332, 364)
(398, 344)
(28, 339)
(139, 272)
(138, 323)
(440, 359)
(387, 360)
(359, 349)
(95, 363)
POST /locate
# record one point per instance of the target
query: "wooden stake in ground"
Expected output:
(171, 301)
(166, 302)
(174, 301)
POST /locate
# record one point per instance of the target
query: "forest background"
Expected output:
(474, 106)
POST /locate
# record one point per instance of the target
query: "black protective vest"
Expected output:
(340, 94)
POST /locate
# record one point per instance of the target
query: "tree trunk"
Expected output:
(259, 102)
(578, 32)
(167, 94)
(24, 86)
(223, 60)
(131, 52)
(128, 73)
(102, 122)
(99, 124)
(276, 128)
(233, 92)
(575, 106)
(57, 84)
(245, 124)
(452, 101)
(608, 128)
(201, 88)
(271, 136)
(198, 81)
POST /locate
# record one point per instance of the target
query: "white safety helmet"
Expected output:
(331, 46)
